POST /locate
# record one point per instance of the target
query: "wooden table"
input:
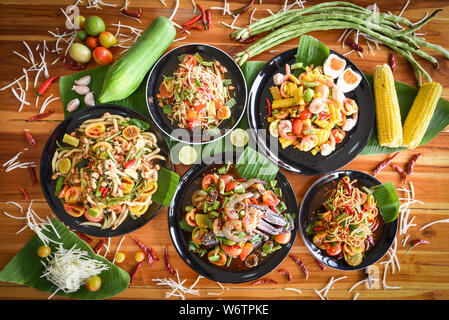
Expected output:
(424, 273)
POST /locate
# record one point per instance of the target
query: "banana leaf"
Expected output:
(387, 199)
(26, 268)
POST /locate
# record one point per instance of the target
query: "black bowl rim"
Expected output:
(49, 197)
(216, 274)
(264, 148)
(302, 228)
(226, 131)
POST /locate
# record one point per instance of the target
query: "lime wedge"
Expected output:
(64, 165)
(187, 155)
(239, 137)
(273, 128)
(70, 140)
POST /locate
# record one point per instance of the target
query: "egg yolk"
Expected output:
(337, 64)
(350, 77)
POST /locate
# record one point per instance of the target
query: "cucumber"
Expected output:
(126, 74)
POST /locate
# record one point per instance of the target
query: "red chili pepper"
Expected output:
(45, 85)
(209, 18)
(31, 141)
(32, 175)
(134, 271)
(416, 243)
(191, 21)
(401, 172)
(393, 64)
(263, 281)
(129, 163)
(190, 27)
(99, 245)
(41, 116)
(273, 208)
(411, 164)
(240, 180)
(167, 263)
(243, 9)
(301, 265)
(203, 16)
(25, 194)
(131, 14)
(268, 107)
(104, 192)
(318, 229)
(84, 237)
(349, 210)
(353, 45)
(321, 265)
(384, 164)
(287, 273)
(348, 187)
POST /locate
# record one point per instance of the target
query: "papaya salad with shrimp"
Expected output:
(234, 223)
(197, 95)
(310, 112)
(106, 170)
(347, 222)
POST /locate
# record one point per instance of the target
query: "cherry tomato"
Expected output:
(74, 195)
(305, 114)
(43, 251)
(74, 210)
(91, 218)
(230, 186)
(92, 42)
(333, 250)
(246, 250)
(283, 238)
(120, 257)
(139, 256)
(93, 283)
(227, 178)
(217, 258)
(297, 126)
(232, 251)
(308, 142)
(190, 217)
(338, 134)
(102, 56)
(107, 39)
(193, 116)
(166, 88)
(189, 59)
(208, 179)
(198, 106)
(270, 199)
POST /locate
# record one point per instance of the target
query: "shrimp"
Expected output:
(278, 78)
(323, 90)
(217, 228)
(318, 105)
(349, 123)
(236, 204)
(252, 219)
(232, 230)
(284, 128)
(328, 147)
(252, 182)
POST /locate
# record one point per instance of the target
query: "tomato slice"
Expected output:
(270, 199)
(208, 180)
(297, 126)
(230, 186)
(333, 250)
(338, 134)
(193, 116)
(74, 210)
(308, 142)
(305, 114)
(189, 60)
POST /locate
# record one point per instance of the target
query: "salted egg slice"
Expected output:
(349, 80)
(334, 66)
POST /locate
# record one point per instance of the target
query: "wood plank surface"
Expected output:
(423, 274)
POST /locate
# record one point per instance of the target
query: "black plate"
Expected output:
(293, 159)
(190, 182)
(167, 64)
(48, 185)
(313, 199)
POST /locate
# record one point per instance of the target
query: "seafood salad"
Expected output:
(347, 223)
(197, 95)
(310, 112)
(106, 170)
(234, 223)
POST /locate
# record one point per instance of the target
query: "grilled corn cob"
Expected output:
(389, 126)
(421, 113)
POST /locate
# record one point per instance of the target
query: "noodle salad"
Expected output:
(197, 95)
(106, 170)
(347, 225)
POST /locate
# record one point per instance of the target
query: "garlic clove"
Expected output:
(84, 81)
(89, 99)
(73, 105)
(82, 90)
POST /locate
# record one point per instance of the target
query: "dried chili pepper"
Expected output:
(32, 175)
(287, 273)
(191, 21)
(250, 39)
(243, 9)
(301, 265)
(416, 243)
(71, 64)
(29, 137)
(167, 263)
(401, 172)
(203, 16)
(132, 14)
(145, 249)
(393, 64)
(268, 106)
(153, 254)
(45, 85)
(354, 45)
(190, 27)
(321, 265)
(84, 237)
(134, 271)
(26, 197)
(208, 18)
(263, 281)
(381, 166)
(411, 164)
(99, 245)
(41, 116)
